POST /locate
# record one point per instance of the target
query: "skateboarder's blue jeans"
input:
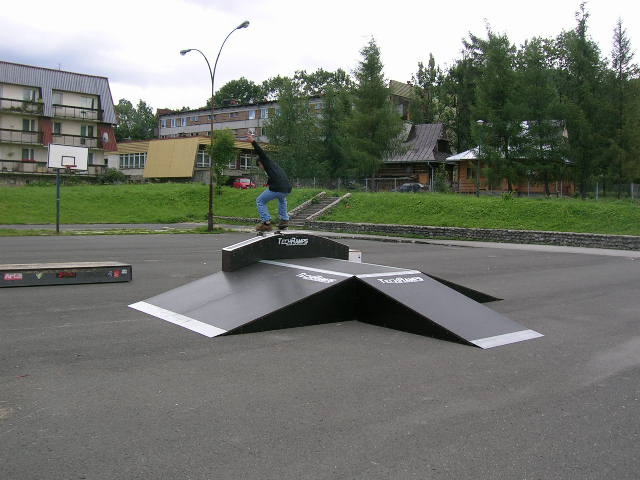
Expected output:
(265, 197)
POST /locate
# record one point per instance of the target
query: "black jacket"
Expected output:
(277, 179)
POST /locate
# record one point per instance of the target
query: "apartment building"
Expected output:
(238, 118)
(40, 106)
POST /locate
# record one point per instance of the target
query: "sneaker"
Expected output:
(264, 227)
(283, 224)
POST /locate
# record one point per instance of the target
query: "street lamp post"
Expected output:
(212, 75)
(480, 123)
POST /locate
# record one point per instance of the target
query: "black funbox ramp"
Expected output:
(306, 288)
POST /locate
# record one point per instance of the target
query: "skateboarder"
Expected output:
(278, 188)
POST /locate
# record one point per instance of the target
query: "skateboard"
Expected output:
(278, 231)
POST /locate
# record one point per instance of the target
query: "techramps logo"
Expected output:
(315, 278)
(401, 280)
(293, 242)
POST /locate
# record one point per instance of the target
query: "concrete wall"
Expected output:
(590, 240)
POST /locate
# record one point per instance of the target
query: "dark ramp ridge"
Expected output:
(286, 245)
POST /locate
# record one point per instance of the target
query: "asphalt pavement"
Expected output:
(90, 388)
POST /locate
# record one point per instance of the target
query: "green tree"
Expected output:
(580, 80)
(374, 127)
(306, 84)
(241, 90)
(459, 98)
(222, 152)
(335, 113)
(134, 123)
(294, 132)
(423, 106)
(272, 87)
(632, 124)
(544, 145)
(320, 81)
(622, 152)
(497, 104)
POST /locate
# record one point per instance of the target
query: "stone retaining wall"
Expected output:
(589, 240)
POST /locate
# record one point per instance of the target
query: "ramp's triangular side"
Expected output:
(333, 304)
(476, 295)
(245, 300)
(435, 302)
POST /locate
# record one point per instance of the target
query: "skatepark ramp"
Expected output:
(294, 280)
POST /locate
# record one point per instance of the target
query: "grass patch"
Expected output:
(186, 202)
(559, 215)
(146, 203)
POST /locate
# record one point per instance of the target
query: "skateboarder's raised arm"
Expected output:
(264, 159)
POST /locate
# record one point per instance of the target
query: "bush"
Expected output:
(441, 180)
(112, 176)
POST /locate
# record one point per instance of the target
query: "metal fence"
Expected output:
(376, 184)
(598, 191)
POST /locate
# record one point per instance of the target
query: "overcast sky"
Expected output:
(136, 43)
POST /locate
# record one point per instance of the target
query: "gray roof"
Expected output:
(421, 144)
(48, 79)
(466, 155)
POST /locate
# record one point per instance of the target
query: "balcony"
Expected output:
(22, 166)
(76, 140)
(30, 166)
(20, 106)
(8, 135)
(79, 113)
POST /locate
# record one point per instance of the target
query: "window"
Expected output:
(264, 113)
(86, 131)
(194, 119)
(252, 114)
(132, 160)
(57, 128)
(180, 122)
(471, 172)
(173, 122)
(28, 125)
(246, 161)
(163, 123)
(29, 94)
(28, 155)
(88, 102)
(57, 98)
(234, 114)
(90, 158)
(202, 159)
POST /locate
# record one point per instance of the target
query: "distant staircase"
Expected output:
(312, 209)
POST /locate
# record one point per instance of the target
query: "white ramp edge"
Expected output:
(178, 319)
(506, 338)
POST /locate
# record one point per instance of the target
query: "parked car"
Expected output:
(243, 183)
(411, 187)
